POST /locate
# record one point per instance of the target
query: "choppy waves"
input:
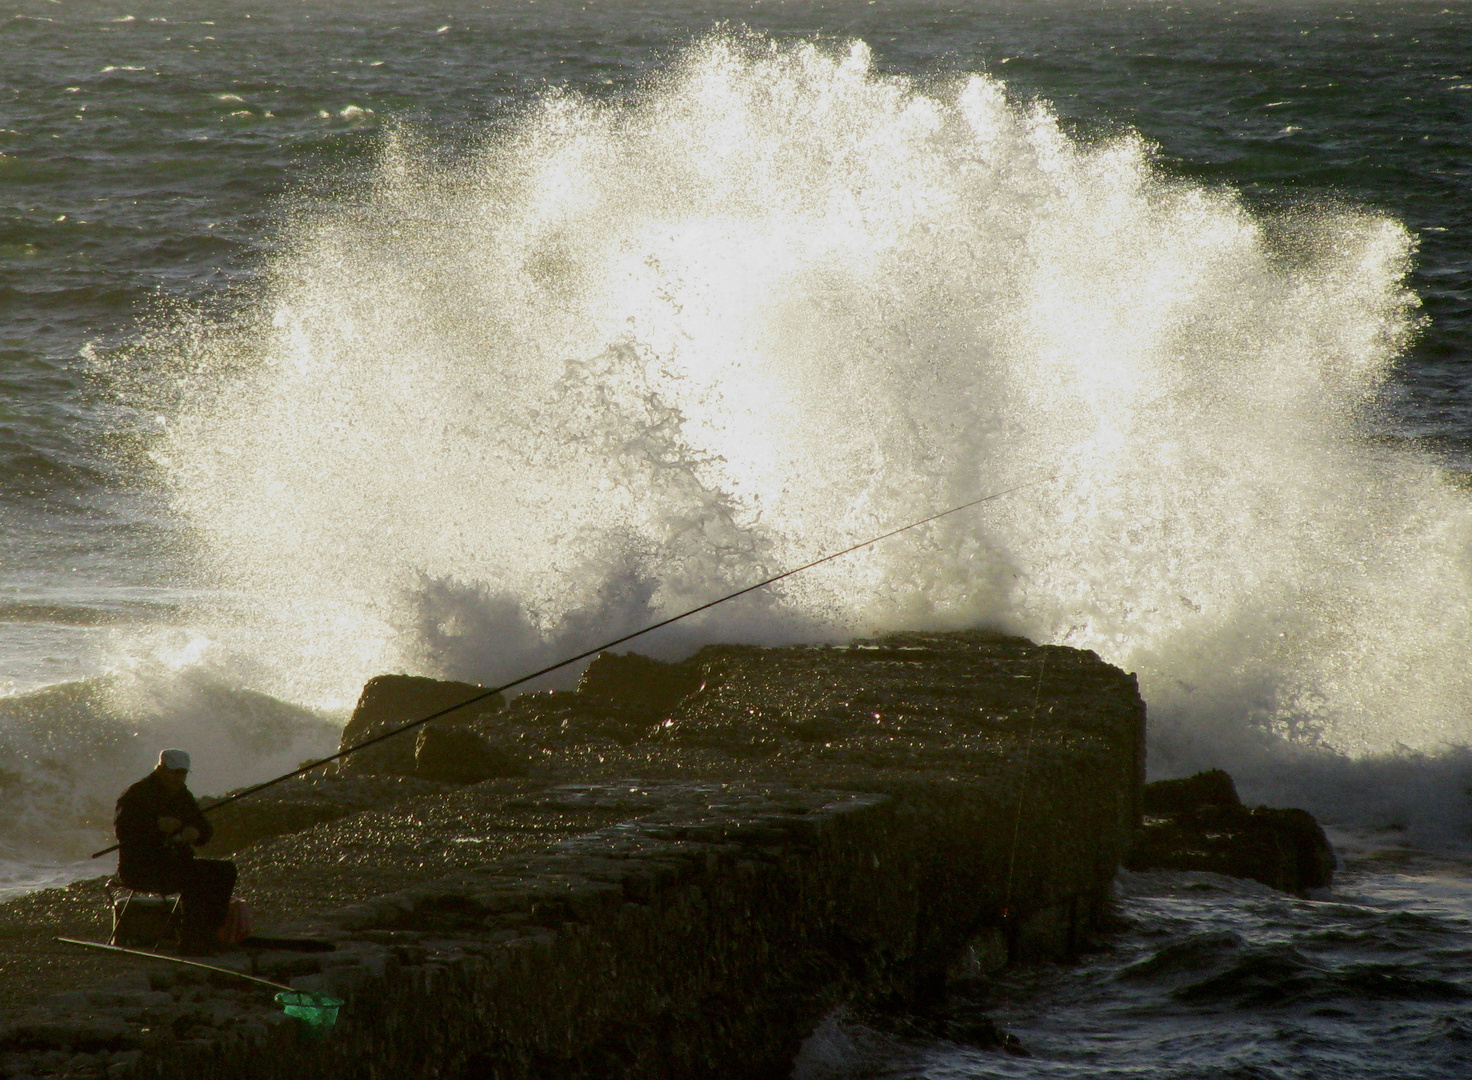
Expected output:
(68, 750)
(1217, 976)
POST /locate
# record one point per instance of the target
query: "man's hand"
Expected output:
(169, 825)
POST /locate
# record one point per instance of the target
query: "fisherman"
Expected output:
(158, 825)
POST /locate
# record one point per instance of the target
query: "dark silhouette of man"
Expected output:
(158, 825)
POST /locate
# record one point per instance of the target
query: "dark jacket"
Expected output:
(144, 852)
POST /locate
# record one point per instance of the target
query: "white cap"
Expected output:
(174, 759)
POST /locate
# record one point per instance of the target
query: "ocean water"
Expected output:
(1220, 977)
(454, 338)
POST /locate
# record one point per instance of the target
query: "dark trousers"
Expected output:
(204, 887)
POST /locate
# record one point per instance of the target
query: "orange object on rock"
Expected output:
(239, 924)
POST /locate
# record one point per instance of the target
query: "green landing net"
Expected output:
(317, 1012)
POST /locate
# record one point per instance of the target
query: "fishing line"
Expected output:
(1032, 724)
(602, 648)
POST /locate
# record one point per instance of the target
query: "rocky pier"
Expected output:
(675, 871)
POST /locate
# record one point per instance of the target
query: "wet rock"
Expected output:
(121, 1063)
(1214, 787)
(983, 953)
(66, 1033)
(639, 682)
(135, 979)
(1198, 823)
(458, 755)
(867, 704)
(1313, 852)
(103, 999)
(389, 701)
(300, 804)
(958, 1020)
(625, 698)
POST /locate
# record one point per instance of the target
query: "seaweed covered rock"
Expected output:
(1199, 823)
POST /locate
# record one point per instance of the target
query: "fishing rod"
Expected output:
(175, 960)
(602, 648)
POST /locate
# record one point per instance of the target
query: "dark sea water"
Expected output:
(337, 339)
(1220, 977)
